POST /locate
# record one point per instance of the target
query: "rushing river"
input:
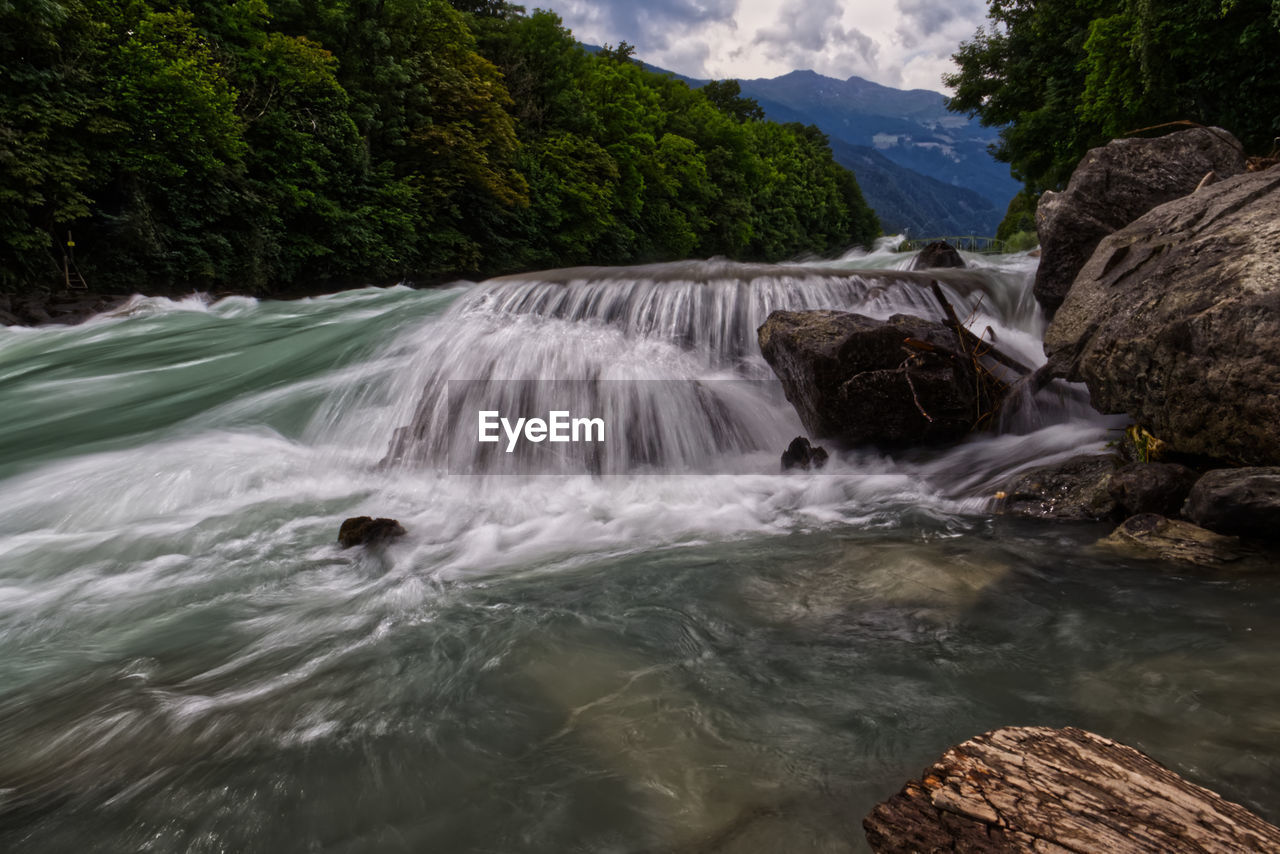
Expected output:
(687, 651)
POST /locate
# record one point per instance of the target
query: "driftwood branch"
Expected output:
(980, 348)
(1023, 789)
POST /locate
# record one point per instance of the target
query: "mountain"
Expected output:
(906, 201)
(921, 167)
(911, 128)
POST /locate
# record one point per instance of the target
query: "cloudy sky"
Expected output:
(901, 43)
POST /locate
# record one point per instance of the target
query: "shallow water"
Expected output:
(657, 661)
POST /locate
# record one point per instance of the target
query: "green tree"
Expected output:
(51, 122)
(261, 144)
(1062, 76)
(726, 96)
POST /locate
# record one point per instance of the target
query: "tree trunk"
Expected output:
(1040, 789)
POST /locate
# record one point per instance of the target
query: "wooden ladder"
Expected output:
(71, 275)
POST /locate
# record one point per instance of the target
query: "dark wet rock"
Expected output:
(1152, 488)
(1244, 501)
(861, 380)
(800, 454)
(1175, 320)
(1040, 789)
(1113, 186)
(939, 253)
(365, 530)
(1150, 535)
(1076, 490)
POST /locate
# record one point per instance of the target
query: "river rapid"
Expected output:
(686, 650)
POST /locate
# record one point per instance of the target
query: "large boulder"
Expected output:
(1175, 320)
(1113, 186)
(861, 380)
(1243, 501)
(1037, 789)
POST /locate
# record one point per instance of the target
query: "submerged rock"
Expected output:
(1076, 490)
(802, 455)
(1243, 501)
(1175, 320)
(1023, 789)
(1152, 488)
(939, 253)
(1150, 535)
(1113, 186)
(861, 380)
(365, 530)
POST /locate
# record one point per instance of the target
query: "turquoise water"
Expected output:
(744, 661)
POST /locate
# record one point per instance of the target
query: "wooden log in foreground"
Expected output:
(1039, 789)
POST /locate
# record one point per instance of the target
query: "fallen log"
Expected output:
(1039, 789)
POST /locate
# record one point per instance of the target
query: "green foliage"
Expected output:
(263, 144)
(1021, 241)
(726, 96)
(1063, 76)
(1020, 216)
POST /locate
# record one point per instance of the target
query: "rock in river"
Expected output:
(800, 454)
(939, 253)
(861, 380)
(1175, 320)
(365, 530)
(1149, 535)
(1076, 490)
(1113, 186)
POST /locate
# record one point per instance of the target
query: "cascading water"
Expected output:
(684, 650)
(668, 352)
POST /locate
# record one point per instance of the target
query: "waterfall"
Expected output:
(666, 353)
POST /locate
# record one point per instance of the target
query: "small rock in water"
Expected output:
(802, 455)
(1076, 490)
(365, 530)
(1152, 536)
(939, 253)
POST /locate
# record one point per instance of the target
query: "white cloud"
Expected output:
(907, 43)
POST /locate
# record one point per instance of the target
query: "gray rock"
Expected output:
(937, 254)
(1152, 488)
(1243, 501)
(1149, 535)
(1175, 320)
(861, 380)
(1113, 186)
(1077, 490)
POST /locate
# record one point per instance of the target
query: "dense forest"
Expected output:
(261, 145)
(1063, 76)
